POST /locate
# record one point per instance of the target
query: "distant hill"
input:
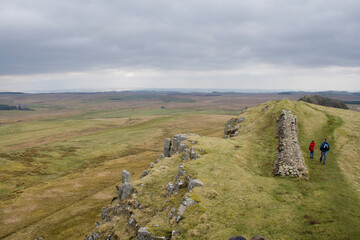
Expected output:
(11, 93)
(323, 101)
(17, 107)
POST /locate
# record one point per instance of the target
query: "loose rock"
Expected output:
(144, 173)
(167, 146)
(194, 183)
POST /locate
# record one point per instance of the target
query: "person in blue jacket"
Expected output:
(324, 148)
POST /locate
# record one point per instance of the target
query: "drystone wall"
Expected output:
(289, 160)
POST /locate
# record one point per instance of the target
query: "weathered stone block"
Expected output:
(125, 176)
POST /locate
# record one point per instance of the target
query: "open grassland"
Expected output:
(241, 196)
(59, 165)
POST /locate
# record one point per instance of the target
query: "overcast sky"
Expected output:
(106, 44)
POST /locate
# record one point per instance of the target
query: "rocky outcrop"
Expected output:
(144, 234)
(144, 173)
(194, 183)
(232, 127)
(178, 144)
(167, 146)
(127, 204)
(125, 188)
(289, 160)
(125, 176)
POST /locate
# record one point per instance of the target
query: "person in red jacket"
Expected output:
(312, 148)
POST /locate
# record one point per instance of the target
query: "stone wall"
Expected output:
(232, 127)
(289, 160)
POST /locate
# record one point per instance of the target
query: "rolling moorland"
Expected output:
(61, 162)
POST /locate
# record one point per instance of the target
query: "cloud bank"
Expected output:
(157, 43)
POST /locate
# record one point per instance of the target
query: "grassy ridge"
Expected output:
(242, 197)
(254, 202)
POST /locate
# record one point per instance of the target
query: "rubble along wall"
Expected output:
(289, 160)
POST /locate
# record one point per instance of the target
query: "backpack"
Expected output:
(326, 147)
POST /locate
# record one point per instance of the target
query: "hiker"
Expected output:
(324, 148)
(312, 148)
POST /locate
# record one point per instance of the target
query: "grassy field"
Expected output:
(241, 196)
(59, 165)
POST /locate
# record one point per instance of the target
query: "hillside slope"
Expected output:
(240, 194)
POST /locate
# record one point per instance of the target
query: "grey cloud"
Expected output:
(60, 36)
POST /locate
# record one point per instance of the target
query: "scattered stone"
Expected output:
(131, 222)
(125, 176)
(193, 154)
(232, 127)
(180, 212)
(186, 154)
(144, 234)
(104, 212)
(172, 213)
(194, 183)
(144, 173)
(170, 188)
(179, 184)
(151, 165)
(177, 143)
(187, 202)
(167, 146)
(240, 119)
(126, 191)
(94, 236)
(181, 172)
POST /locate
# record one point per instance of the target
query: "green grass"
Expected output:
(241, 196)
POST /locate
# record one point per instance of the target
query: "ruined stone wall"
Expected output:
(289, 160)
(232, 127)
